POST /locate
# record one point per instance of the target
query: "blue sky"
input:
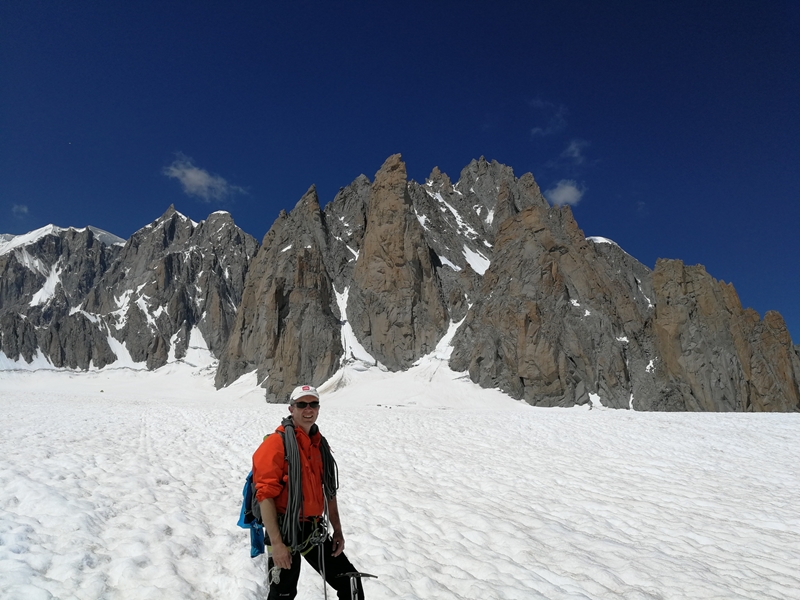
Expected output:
(673, 127)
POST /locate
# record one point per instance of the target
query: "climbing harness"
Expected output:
(317, 538)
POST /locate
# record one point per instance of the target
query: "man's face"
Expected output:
(304, 417)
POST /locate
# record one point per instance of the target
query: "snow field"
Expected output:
(134, 492)
(537, 504)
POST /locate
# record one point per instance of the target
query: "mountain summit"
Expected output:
(72, 300)
(378, 278)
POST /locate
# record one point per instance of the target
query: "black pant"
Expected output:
(334, 566)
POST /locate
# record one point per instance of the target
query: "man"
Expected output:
(295, 478)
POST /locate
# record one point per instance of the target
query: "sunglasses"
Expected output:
(301, 404)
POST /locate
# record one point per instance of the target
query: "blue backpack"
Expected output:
(250, 517)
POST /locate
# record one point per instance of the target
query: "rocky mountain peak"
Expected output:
(378, 278)
(106, 237)
(138, 303)
(395, 303)
(439, 180)
(345, 220)
(286, 328)
(390, 182)
(39, 263)
(43, 275)
(715, 356)
(553, 322)
(309, 202)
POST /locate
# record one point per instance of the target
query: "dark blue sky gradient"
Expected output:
(685, 115)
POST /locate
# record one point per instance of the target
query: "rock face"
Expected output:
(172, 276)
(564, 320)
(460, 223)
(43, 276)
(393, 259)
(345, 220)
(82, 298)
(379, 277)
(286, 328)
(395, 302)
(715, 356)
(558, 317)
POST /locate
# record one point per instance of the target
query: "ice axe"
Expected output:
(354, 577)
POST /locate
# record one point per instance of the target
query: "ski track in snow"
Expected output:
(134, 492)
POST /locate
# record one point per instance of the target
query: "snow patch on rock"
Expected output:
(476, 260)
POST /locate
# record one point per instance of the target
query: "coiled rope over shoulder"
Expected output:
(290, 527)
(330, 471)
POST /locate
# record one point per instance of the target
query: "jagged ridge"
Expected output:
(379, 276)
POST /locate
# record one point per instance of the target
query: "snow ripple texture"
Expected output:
(134, 493)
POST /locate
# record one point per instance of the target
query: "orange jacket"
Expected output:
(271, 472)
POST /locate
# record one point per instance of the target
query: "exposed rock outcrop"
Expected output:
(70, 295)
(43, 276)
(496, 194)
(345, 220)
(460, 223)
(715, 356)
(286, 328)
(172, 276)
(563, 320)
(35, 265)
(395, 303)
(558, 317)
(545, 314)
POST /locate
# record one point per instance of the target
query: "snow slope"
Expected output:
(10, 242)
(125, 484)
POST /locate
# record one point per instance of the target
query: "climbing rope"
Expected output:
(330, 472)
(290, 528)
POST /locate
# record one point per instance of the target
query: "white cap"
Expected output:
(303, 390)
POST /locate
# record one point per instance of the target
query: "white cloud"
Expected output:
(19, 210)
(574, 151)
(565, 192)
(199, 182)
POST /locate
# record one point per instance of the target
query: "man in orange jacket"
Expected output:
(295, 479)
